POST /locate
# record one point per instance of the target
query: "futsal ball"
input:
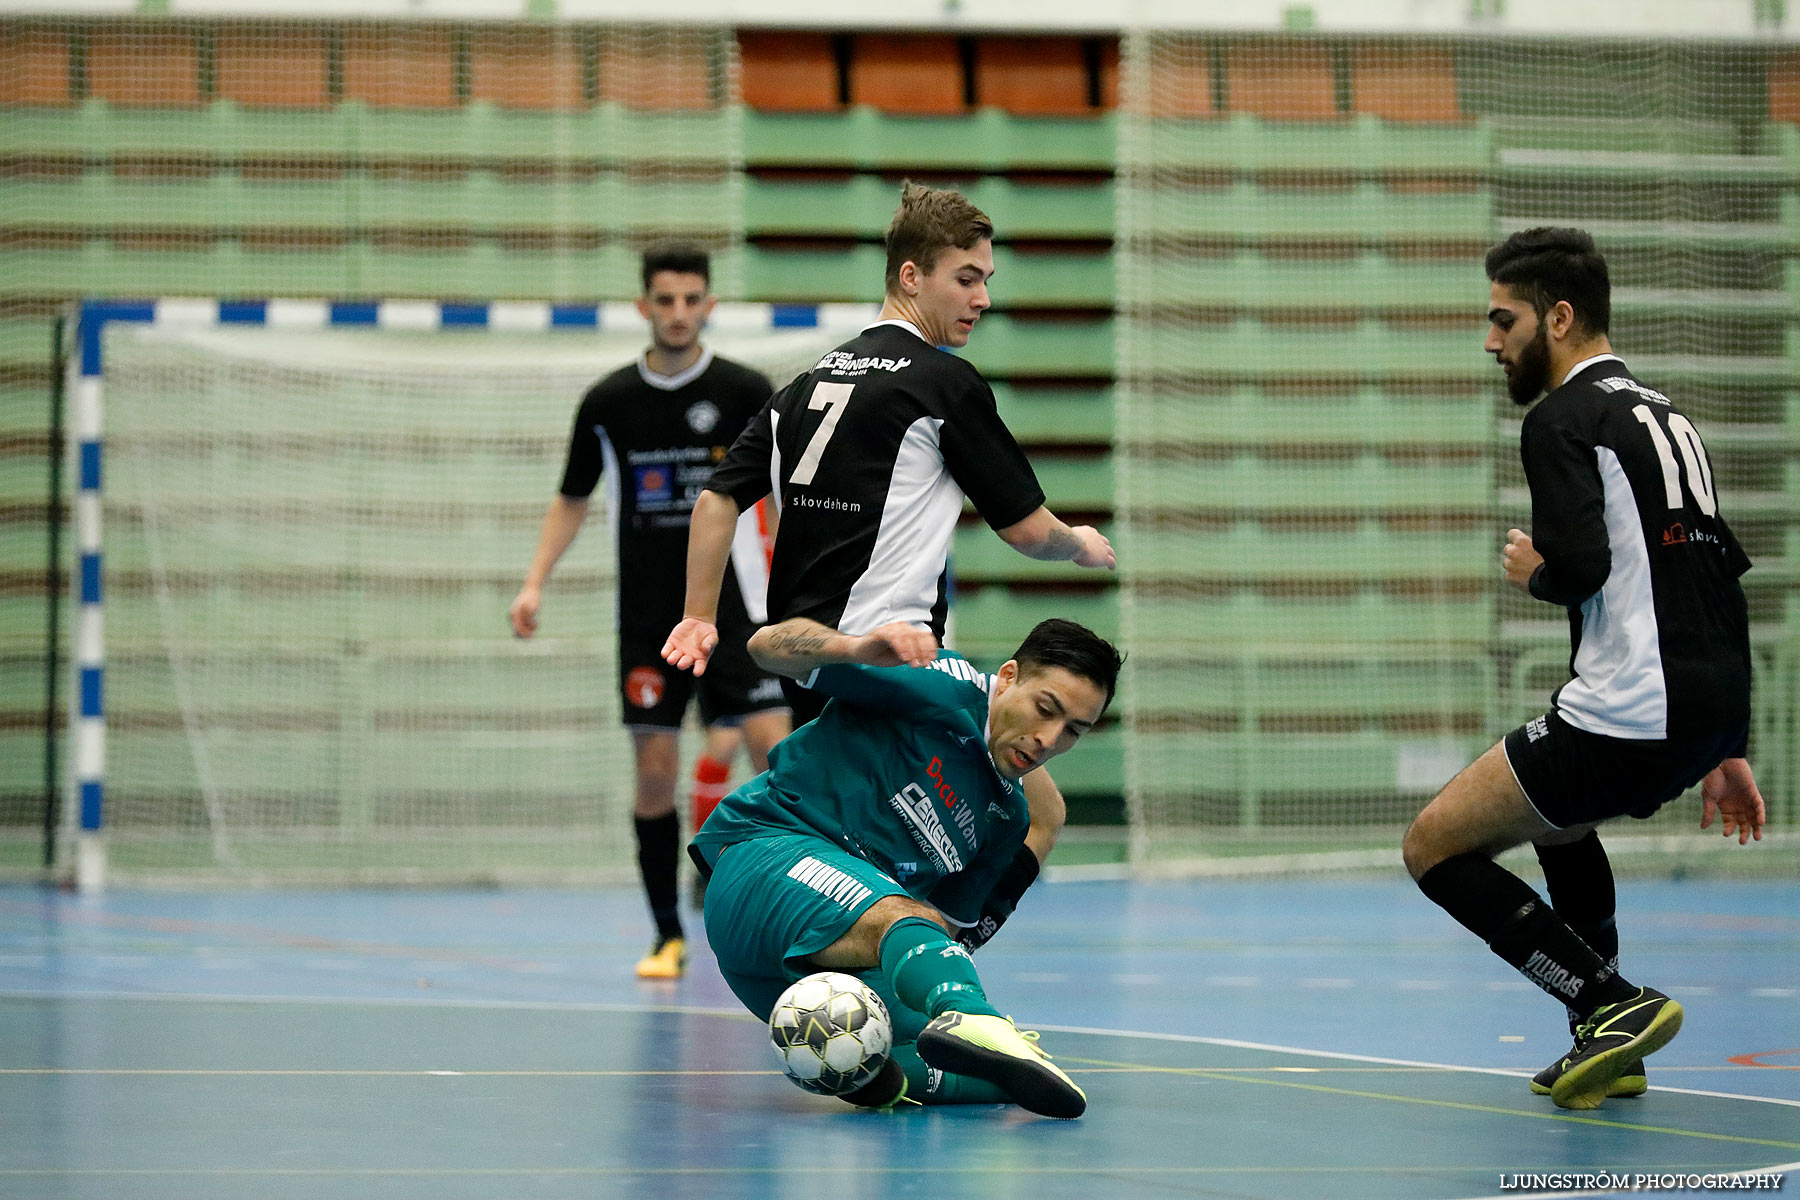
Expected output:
(831, 1033)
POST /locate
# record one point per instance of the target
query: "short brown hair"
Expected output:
(681, 257)
(928, 222)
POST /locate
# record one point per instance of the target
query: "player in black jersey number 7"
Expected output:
(871, 453)
(1628, 535)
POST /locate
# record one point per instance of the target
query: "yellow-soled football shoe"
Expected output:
(991, 1048)
(666, 960)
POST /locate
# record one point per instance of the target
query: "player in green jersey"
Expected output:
(879, 830)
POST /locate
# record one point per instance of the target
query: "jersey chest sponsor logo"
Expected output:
(959, 811)
(663, 456)
(841, 362)
(823, 503)
(655, 484)
(702, 417)
(928, 832)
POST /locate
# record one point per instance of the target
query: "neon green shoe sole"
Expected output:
(1634, 1082)
(1615, 1038)
(991, 1048)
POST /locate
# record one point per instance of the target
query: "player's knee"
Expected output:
(1418, 848)
(889, 911)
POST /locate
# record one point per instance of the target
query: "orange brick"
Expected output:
(526, 68)
(134, 65)
(1032, 76)
(34, 66)
(907, 73)
(399, 67)
(1283, 81)
(1413, 83)
(272, 66)
(785, 71)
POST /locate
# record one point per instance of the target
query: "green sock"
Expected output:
(928, 1085)
(930, 973)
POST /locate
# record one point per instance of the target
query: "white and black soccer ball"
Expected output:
(831, 1033)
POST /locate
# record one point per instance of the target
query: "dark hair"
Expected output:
(683, 257)
(1552, 263)
(1076, 649)
(928, 222)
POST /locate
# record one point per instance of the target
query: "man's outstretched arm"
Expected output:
(1044, 536)
(710, 531)
(799, 646)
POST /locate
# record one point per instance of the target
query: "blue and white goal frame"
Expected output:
(87, 823)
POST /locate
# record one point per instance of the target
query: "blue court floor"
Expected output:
(1241, 1039)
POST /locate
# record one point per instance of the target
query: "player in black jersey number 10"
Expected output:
(1628, 535)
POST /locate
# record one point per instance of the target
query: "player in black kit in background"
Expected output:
(1628, 536)
(656, 429)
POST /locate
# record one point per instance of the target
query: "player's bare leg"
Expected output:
(1481, 811)
(762, 730)
(659, 837)
(1449, 851)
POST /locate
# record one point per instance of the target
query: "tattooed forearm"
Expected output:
(797, 641)
(797, 646)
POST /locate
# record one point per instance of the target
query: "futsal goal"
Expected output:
(301, 526)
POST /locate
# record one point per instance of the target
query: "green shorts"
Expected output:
(774, 901)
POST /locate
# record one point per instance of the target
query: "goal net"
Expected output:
(1316, 461)
(312, 539)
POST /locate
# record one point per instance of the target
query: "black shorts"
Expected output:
(803, 702)
(655, 695)
(1573, 777)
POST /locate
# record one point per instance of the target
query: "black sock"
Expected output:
(658, 840)
(1579, 878)
(1501, 909)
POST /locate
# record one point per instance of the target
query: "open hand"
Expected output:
(690, 644)
(897, 644)
(1729, 792)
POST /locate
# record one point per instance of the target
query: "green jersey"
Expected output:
(896, 771)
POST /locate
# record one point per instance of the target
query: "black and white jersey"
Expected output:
(871, 453)
(1626, 514)
(655, 439)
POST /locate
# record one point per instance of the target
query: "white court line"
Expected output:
(738, 1013)
(1370, 1058)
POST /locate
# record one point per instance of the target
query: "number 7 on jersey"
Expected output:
(831, 397)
